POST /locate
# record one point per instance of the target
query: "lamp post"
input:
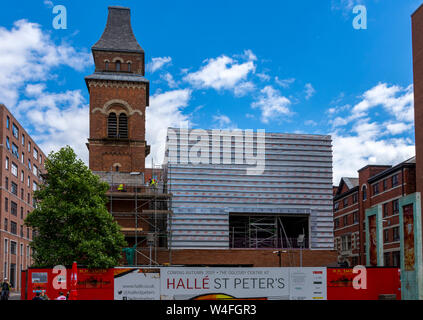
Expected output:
(279, 253)
(136, 217)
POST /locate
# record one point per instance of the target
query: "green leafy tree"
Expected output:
(71, 220)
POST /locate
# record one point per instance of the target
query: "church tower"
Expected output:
(119, 95)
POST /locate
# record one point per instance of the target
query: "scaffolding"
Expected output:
(142, 210)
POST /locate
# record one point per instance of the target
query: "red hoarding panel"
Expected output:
(380, 281)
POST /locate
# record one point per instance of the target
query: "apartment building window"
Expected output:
(29, 164)
(29, 181)
(27, 233)
(7, 163)
(29, 197)
(346, 242)
(13, 227)
(35, 170)
(345, 202)
(34, 186)
(386, 236)
(364, 190)
(395, 206)
(15, 131)
(376, 189)
(14, 189)
(355, 217)
(14, 208)
(23, 158)
(22, 193)
(345, 220)
(41, 159)
(6, 224)
(396, 259)
(22, 212)
(15, 150)
(394, 180)
(23, 139)
(386, 259)
(7, 122)
(7, 143)
(336, 207)
(7, 183)
(355, 198)
(336, 223)
(29, 146)
(13, 247)
(14, 169)
(385, 210)
(385, 184)
(35, 154)
(396, 234)
(6, 204)
(22, 232)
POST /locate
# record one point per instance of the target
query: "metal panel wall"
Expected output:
(297, 179)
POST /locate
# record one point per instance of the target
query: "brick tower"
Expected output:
(119, 95)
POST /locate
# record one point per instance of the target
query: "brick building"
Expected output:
(377, 186)
(22, 161)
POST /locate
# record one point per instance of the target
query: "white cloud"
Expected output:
(165, 111)
(49, 3)
(398, 127)
(223, 122)
(224, 73)
(28, 54)
(58, 119)
(272, 104)
(263, 76)
(345, 5)
(169, 79)
(310, 123)
(158, 63)
(243, 88)
(284, 83)
(309, 91)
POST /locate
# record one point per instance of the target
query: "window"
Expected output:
(336, 207)
(345, 220)
(7, 183)
(395, 206)
(39, 277)
(396, 259)
(346, 242)
(23, 158)
(345, 202)
(385, 210)
(21, 231)
(23, 139)
(35, 153)
(14, 208)
(35, 170)
(112, 125)
(12, 247)
(29, 181)
(41, 159)
(7, 143)
(14, 169)
(15, 131)
(117, 65)
(106, 65)
(385, 236)
(22, 193)
(6, 204)
(29, 164)
(6, 224)
(396, 235)
(364, 190)
(386, 259)
(29, 198)
(34, 186)
(22, 213)
(27, 233)
(13, 227)
(129, 67)
(355, 198)
(394, 180)
(15, 150)
(7, 122)
(385, 184)
(355, 217)
(22, 176)
(375, 188)
(336, 223)
(14, 189)
(7, 163)
(123, 126)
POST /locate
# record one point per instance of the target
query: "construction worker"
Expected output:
(121, 188)
(153, 182)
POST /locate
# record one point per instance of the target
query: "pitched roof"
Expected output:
(350, 182)
(118, 34)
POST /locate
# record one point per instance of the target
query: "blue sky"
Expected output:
(283, 66)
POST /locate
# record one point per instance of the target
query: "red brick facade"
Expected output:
(19, 174)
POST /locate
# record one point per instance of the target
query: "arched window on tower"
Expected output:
(112, 125)
(106, 65)
(118, 65)
(123, 126)
(129, 67)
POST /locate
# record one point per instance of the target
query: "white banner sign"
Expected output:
(137, 284)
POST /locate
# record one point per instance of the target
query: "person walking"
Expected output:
(44, 296)
(37, 297)
(5, 289)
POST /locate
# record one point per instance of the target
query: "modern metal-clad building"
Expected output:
(244, 189)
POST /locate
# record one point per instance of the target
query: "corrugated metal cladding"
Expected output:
(297, 180)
